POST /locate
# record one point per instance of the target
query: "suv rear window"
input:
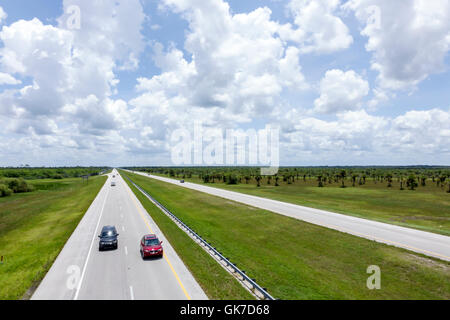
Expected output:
(108, 232)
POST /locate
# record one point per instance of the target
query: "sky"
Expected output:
(357, 82)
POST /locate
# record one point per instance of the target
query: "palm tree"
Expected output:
(389, 180)
(442, 180)
(342, 175)
(289, 179)
(354, 176)
(411, 182)
(319, 178)
(423, 181)
(258, 180)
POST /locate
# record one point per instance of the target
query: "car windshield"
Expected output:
(108, 233)
(152, 242)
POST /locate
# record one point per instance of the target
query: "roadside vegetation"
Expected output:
(10, 186)
(297, 260)
(34, 228)
(14, 180)
(217, 283)
(29, 173)
(415, 197)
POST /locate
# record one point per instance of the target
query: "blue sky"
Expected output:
(358, 82)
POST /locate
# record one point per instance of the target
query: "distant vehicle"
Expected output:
(108, 238)
(113, 184)
(114, 176)
(151, 246)
(182, 181)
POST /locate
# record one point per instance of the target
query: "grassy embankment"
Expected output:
(426, 208)
(217, 283)
(297, 260)
(35, 226)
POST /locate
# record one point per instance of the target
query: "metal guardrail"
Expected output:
(228, 263)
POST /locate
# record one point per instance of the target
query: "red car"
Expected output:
(151, 246)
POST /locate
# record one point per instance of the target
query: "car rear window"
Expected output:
(151, 242)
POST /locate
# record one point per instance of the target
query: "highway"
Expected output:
(426, 243)
(82, 272)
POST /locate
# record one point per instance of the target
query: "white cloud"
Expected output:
(356, 137)
(3, 15)
(291, 71)
(319, 28)
(8, 79)
(109, 29)
(409, 39)
(341, 91)
(65, 64)
(155, 27)
(427, 131)
(70, 77)
(42, 52)
(239, 67)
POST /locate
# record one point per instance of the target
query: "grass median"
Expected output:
(34, 228)
(217, 283)
(297, 260)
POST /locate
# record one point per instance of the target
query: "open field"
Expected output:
(426, 208)
(217, 283)
(35, 226)
(297, 260)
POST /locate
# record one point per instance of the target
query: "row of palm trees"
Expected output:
(406, 177)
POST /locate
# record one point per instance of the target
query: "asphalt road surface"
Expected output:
(427, 243)
(82, 272)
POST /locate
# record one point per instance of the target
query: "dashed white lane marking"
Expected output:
(90, 248)
(123, 228)
(126, 251)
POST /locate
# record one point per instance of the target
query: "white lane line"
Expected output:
(90, 249)
(131, 293)
(123, 229)
(126, 251)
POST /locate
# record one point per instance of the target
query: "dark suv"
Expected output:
(108, 238)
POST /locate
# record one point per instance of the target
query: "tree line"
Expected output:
(399, 177)
(49, 173)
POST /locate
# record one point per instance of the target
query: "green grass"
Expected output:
(217, 283)
(297, 260)
(426, 208)
(34, 228)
